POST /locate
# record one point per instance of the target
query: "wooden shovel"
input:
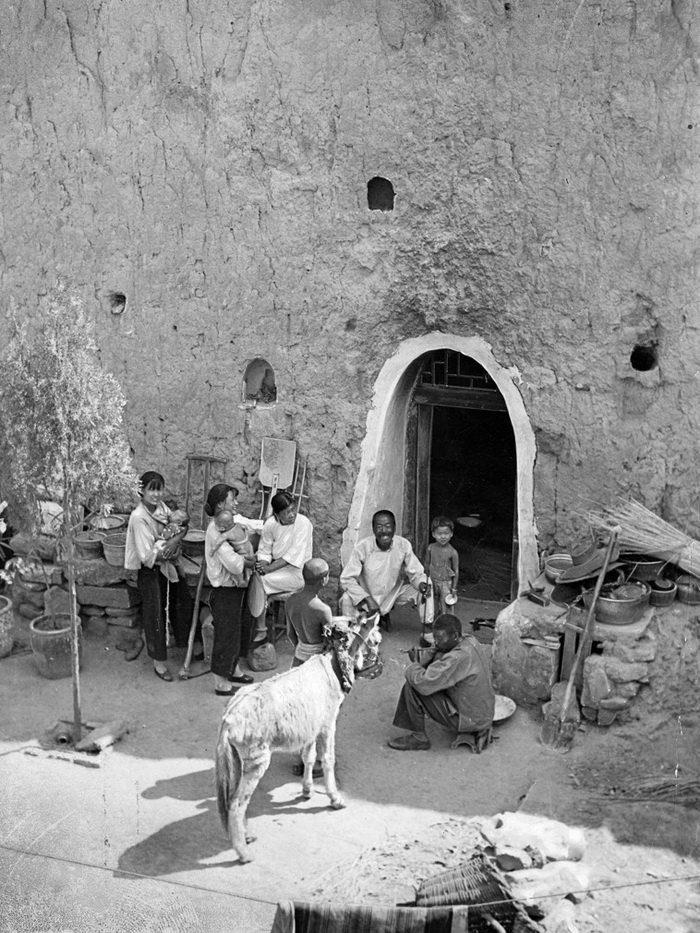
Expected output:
(561, 713)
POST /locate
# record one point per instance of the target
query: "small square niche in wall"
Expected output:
(380, 194)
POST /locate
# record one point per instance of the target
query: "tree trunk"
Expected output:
(68, 527)
(74, 644)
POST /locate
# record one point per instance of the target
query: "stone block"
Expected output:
(45, 572)
(117, 597)
(615, 703)
(620, 671)
(92, 610)
(28, 597)
(523, 671)
(606, 717)
(98, 573)
(44, 546)
(56, 599)
(596, 683)
(629, 689)
(130, 611)
(642, 650)
(123, 621)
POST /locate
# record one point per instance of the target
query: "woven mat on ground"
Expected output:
(293, 917)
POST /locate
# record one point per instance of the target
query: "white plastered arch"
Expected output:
(380, 482)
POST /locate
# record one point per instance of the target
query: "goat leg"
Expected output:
(328, 759)
(308, 756)
(252, 770)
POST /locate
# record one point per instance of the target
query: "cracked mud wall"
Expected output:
(209, 162)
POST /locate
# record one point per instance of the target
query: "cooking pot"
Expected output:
(193, 543)
(620, 604)
(643, 567)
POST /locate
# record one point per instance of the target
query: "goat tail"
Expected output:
(228, 773)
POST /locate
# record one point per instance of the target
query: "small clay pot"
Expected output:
(663, 592)
(688, 589)
(555, 565)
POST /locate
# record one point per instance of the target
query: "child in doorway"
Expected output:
(443, 562)
(306, 615)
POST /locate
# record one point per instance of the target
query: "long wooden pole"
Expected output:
(589, 621)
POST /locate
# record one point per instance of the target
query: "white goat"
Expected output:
(290, 712)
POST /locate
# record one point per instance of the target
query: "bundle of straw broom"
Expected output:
(643, 532)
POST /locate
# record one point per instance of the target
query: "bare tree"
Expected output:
(61, 432)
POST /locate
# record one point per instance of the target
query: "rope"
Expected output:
(168, 625)
(260, 900)
(136, 874)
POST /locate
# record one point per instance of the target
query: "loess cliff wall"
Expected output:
(198, 172)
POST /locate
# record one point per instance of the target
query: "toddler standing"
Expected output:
(443, 561)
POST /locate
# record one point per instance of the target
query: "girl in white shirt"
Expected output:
(162, 590)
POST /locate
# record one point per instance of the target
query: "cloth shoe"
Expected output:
(409, 743)
(226, 693)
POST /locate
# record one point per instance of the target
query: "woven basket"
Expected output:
(6, 620)
(473, 882)
(114, 547)
(479, 884)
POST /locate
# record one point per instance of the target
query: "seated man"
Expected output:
(382, 572)
(450, 684)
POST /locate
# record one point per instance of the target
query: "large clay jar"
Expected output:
(6, 620)
(50, 638)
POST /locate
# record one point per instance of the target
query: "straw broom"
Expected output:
(643, 532)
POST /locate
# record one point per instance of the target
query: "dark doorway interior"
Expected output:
(472, 481)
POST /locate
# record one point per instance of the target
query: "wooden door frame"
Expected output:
(419, 443)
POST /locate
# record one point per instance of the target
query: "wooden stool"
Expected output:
(276, 616)
(475, 741)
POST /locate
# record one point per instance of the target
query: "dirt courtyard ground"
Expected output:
(133, 842)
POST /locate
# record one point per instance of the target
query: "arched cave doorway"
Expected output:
(388, 464)
(461, 459)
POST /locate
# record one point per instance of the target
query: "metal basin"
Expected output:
(620, 605)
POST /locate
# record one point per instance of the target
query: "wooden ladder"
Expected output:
(195, 460)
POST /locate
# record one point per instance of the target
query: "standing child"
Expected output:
(443, 562)
(306, 616)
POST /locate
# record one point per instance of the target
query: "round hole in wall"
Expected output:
(380, 194)
(644, 357)
(117, 302)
